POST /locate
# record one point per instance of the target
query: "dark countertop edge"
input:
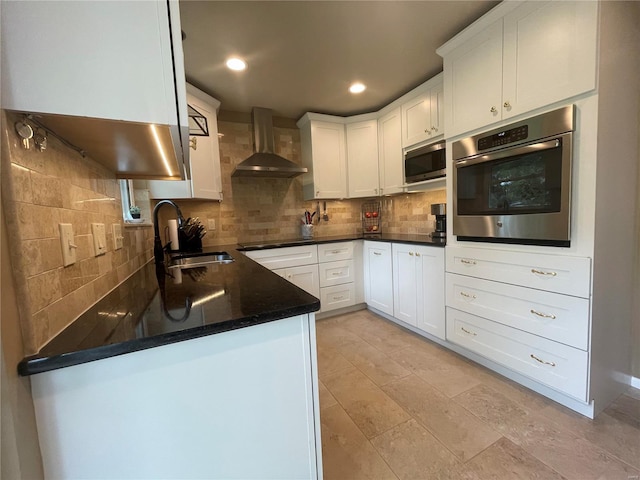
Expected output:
(33, 365)
(397, 238)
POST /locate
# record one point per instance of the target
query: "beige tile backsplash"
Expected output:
(263, 209)
(39, 191)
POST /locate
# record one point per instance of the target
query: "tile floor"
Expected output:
(397, 406)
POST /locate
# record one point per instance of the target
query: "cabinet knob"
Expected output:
(434, 129)
(411, 253)
(493, 110)
(375, 190)
(507, 104)
(417, 254)
(317, 193)
(193, 142)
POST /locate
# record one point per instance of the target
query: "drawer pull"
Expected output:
(469, 295)
(543, 315)
(341, 297)
(467, 262)
(540, 272)
(335, 274)
(542, 361)
(377, 253)
(411, 253)
(335, 252)
(467, 331)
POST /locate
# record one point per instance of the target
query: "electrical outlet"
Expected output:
(211, 224)
(69, 248)
(116, 231)
(99, 238)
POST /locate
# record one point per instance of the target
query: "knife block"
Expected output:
(193, 244)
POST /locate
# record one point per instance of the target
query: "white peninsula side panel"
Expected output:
(239, 404)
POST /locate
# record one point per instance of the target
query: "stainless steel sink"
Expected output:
(187, 260)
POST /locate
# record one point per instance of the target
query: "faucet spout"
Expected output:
(158, 251)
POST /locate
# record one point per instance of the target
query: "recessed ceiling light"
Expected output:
(236, 64)
(357, 88)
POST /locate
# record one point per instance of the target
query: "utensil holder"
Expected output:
(306, 231)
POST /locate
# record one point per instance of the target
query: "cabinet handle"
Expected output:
(317, 193)
(434, 129)
(193, 143)
(469, 295)
(507, 104)
(411, 253)
(335, 252)
(493, 110)
(338, 298)
(426, 130)
(540, 272)
(467, 262)
(417, 254)
(375, 190)
(377, 253)
(543, 315)
(542, 361)
(335, 274)
(468, 331)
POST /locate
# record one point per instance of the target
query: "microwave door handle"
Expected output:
(509, 152)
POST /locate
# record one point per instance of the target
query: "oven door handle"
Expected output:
(508, 152)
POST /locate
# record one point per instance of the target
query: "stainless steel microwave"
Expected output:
(425, 163)
(513, 184)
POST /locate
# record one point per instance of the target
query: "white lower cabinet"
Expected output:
(337, 275)
(338, 296)
(378, 276)
(305, 277)
(556, 365)
(418, 287)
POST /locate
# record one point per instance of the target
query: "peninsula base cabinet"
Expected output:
(418, 287)
(201, 408)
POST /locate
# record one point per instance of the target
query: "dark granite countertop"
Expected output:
(154, 308)
(383, 237)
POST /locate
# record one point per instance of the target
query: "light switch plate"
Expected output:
(116, 231)
(99, 238)
(69, 255)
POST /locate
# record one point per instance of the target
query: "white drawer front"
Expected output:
(273, 258)
(338, 296)
(561, 318)
(336, 273)
(554, 273)
(558, 366)
(330, 252)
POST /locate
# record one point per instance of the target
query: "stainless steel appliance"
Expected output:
(425, 163)
(440, 211)
(513, 184)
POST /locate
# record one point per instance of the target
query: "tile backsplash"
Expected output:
(263, 209)
(39, 191)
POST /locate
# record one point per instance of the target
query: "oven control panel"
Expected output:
(503, 138)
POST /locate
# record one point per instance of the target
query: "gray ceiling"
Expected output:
(303, 55)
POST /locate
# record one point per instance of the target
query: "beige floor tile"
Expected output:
(625, 406)
(346, 452)
(445, 372)
(376, 365)
(462, 433)
(382, 334)
(330, 361)
(326, 399)
(522, 395)
(413, 453)
(619, 435)
(504, 460)
(564, 451)
(633, 393)
(335, 335)
(370, 408)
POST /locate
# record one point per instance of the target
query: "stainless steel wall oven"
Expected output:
(513, 184)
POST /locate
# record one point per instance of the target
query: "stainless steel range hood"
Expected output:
(264, 162)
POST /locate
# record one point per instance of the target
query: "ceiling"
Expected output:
(303, 55)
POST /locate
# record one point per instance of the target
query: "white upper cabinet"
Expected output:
(422, 116)
(516, 59)
(324, 154)
(362, 158)
(205, 179)
(78, 62)
(390, 153)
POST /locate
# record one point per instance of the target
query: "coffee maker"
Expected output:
(440, 211)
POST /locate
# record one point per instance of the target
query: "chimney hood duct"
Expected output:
(264, 162)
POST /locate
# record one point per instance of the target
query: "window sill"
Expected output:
(131, 225)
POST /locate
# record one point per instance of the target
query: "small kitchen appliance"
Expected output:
(440, 211)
